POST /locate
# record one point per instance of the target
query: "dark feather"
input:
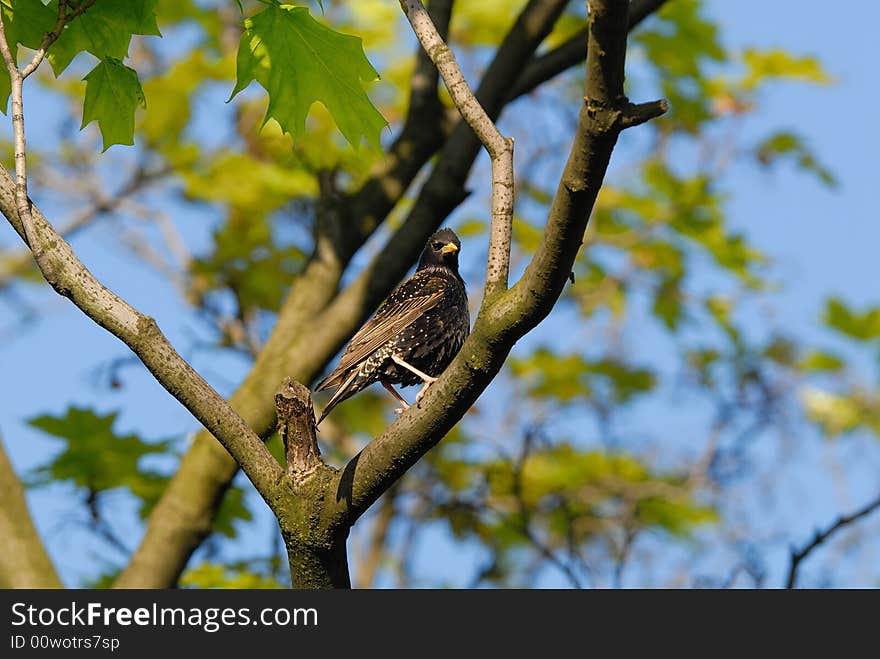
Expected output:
(423, 322)
(409, 301)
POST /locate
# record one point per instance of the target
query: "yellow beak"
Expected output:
(449, 248)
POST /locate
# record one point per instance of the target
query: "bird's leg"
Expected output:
(427, 379)
(391, 390)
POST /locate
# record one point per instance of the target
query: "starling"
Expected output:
(415, 333)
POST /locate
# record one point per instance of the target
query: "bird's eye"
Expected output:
(437, 245)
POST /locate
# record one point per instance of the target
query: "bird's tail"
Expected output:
(342, 392)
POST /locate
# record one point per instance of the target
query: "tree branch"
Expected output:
(500, 148)
(798, 555)
(24, 562)
(508, 317)
(572, 52)
(50, 37)
(423, 98)
(183, 516)
(69, 277)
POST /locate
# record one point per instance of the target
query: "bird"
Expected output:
(414, 334)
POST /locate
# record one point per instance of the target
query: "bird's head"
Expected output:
(441, 250)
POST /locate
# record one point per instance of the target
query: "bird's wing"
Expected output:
(403, 306)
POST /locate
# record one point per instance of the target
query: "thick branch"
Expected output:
(70, 278)
(24, 562)
(605, 113)
(572, 52)
(183, 516)
(798, 555)
(505, 319)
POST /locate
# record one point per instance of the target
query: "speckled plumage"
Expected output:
(424, 322)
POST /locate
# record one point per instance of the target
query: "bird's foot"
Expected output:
(424, 389)
(401, 410)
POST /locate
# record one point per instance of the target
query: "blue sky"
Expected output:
(824, 242)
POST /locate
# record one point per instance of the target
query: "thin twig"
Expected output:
(798, 555)
(50, 37)
(16, 78)
(500, 148)
(17, 263)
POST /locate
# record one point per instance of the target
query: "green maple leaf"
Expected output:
(298, 61)
(104, 30)
(27, 21)
(94, 456)
(113, 93)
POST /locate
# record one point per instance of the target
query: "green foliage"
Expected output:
(571, 377)
(233, 509)
(817, 360)
(777, 63)
(786, 145)
(170, 96)
(94, 457)
(105, 30)
(25, 22)
(562, 496)
(299, 61)
(483, 23)
(681, 47)
(247, 260)
(863, 326)
(215, 575)
(836, 414)
(113, 93)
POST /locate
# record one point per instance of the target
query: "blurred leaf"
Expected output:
(840, 413)
(720, 307)
(171, 94)
(232, 509)
(762, 65)
(787, 145)
(568, 495)
(781, 350)
(484, 23)
(266, 186)
(470, 228)
(298, 61)
(214, 575)
(816, 360)
(864, 326)
(568, 377)
(680, 46)
(96, 458)
(247, 260)
(669, 302)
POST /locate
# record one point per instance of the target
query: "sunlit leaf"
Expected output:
(299, 61)
(863, 326)
(113, 93)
